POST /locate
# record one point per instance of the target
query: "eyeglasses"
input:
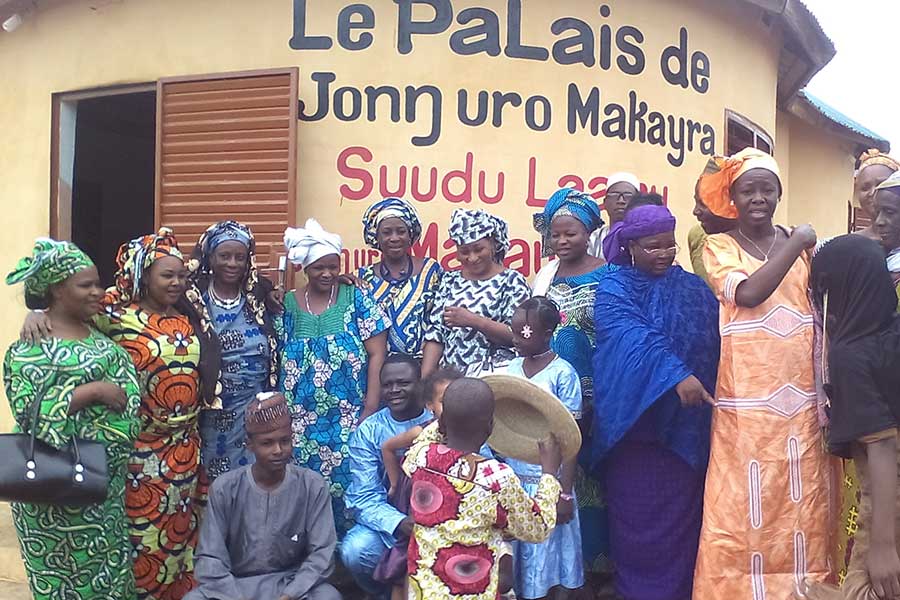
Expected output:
(657, 252)
(613, 196)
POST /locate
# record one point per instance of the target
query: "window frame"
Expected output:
(60, 226)
(757, 131)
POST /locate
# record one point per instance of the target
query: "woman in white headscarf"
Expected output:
(333, 345)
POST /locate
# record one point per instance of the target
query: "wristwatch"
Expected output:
(566, 497)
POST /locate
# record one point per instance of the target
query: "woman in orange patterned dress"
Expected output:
(768, 518)
(147, 314)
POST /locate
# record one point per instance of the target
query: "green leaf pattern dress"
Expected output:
(75, 553)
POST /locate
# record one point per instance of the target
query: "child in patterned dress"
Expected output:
(433, 390)
(464, 504)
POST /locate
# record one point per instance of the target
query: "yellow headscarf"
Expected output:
(871, 157)
(722, 172)
(876, 157)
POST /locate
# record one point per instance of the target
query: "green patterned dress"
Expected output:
(75, 553)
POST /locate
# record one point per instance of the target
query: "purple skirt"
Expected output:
(655, 503)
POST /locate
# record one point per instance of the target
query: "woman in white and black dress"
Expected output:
(468, 325)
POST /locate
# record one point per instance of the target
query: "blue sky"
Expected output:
(863, 79)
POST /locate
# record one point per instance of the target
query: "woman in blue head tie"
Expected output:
(239, 303)
(404, 285)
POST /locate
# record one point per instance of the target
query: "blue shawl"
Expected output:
(653, 332)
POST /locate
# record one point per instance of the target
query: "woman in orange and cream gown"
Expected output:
(769, 503)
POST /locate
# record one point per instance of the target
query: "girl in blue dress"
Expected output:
(557, 562)
(567, 225)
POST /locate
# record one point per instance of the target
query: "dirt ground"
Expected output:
(10, 590)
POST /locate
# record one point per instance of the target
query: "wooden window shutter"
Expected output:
(226, 148)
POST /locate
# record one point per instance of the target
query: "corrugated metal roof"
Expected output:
(842, 120)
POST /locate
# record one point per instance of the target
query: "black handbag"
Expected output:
(34, 472)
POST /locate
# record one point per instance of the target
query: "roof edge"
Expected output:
(805, 38)
(817, 113)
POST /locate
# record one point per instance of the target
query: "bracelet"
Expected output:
(566, 497)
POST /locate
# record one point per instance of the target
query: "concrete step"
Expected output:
(12, 590)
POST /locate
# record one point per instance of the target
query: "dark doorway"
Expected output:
(113, 179)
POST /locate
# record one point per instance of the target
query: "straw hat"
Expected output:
(525, 413)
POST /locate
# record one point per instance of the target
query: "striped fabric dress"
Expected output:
(405, 303)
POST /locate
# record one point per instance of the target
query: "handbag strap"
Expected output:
(36, 413)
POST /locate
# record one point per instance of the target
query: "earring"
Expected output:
(526, 332)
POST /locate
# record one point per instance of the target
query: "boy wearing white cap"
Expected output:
(620, 189)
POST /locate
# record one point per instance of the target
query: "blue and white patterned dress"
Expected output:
(406, 304)
(324, 367)
(573, 341)
(557, 561)
(245, 373)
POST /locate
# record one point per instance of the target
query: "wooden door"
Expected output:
(226, 148)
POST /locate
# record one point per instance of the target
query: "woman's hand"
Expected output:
(370, 407)
(455, 316)
(36, 327)
(275, 301)
(804, 235)
(551, 455)
(111, 395)
(98, 392)
(692, 392)
(884, 570)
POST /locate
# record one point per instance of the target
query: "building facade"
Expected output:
(118, 116)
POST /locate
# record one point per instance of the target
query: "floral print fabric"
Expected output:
(166, 488)
(324, 379)
(244, 373)
(463, 505)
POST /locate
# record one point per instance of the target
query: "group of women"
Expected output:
(703, 391)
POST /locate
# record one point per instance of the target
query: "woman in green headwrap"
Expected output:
(87, 388)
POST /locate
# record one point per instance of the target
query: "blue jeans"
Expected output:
(360, 552)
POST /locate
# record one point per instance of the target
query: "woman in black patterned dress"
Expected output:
(468, 325)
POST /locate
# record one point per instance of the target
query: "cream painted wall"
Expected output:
(83, 44)
(821, 179)
(783, 156)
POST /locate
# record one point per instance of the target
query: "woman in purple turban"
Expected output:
(657, 352)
